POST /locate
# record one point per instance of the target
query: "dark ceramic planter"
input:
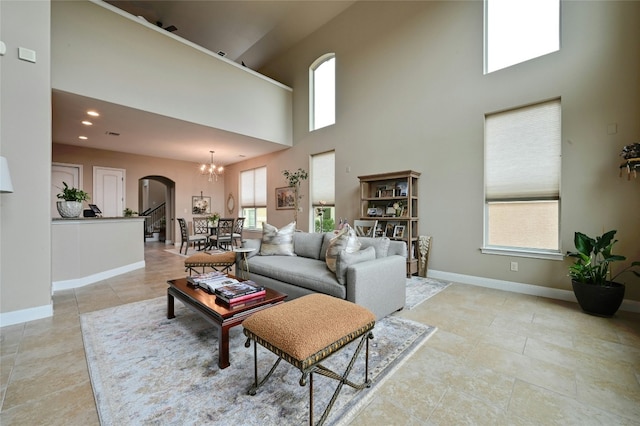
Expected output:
(598, 300)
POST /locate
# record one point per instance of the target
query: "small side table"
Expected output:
(244, 250)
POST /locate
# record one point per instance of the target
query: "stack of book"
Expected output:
(210, 281)
(238, 293)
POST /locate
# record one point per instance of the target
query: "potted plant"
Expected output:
(71, 206)
(294, 179)
(594, 287)
(127, 212)
(213, 219)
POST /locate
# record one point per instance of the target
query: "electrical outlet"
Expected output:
(514, 266)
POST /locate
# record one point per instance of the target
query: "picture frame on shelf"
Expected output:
(390, 229)
(285, 198)
(398, 231)
(401, 189)
(200, 205)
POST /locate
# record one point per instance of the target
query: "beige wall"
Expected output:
(25, 140)
(188, 181)
(135, 64)
(411, 95)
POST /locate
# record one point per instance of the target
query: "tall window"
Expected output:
(253, 197)
(519, 30)
(322, 92)
(522, 178)
(323, 191)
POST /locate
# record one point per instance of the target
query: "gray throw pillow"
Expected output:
(277, 242)
(380, 245)
(346, 259)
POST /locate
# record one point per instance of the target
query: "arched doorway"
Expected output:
(156, 201)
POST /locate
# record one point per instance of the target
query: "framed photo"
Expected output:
(200, 205)
(401, 189)
(285, 198)
(398, 231)
(389, 230)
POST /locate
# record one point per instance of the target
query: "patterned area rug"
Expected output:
(146, 369)
(420, 289)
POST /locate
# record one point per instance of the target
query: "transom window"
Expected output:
(519, 30)
(322, 92)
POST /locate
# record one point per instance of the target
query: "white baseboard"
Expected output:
(534, 290)
(24, 315)
(90, 279)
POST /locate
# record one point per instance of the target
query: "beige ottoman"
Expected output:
(218, 261)
(307, 330)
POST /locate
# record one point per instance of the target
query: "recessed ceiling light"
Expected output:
(87, 123)
(84, 138)
(93, 113)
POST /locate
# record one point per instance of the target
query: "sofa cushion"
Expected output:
(301, 271)
(380, 245)
(307, 244)
(345, 240)
(346, 259)
(277, 241)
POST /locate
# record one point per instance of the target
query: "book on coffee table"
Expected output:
(242, 300)
(238, 291)
(211, 280)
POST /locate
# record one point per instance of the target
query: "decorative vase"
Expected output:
(602, 301)
(69, 208)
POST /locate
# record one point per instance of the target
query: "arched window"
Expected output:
(322, 92)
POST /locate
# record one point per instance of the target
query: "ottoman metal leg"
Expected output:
(320, 369)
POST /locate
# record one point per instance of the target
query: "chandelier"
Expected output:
(211, 169)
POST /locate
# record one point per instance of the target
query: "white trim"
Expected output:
(514, 287)
(522, 253)
(24, 315)
(90, 279)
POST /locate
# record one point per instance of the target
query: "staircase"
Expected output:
(155, 223)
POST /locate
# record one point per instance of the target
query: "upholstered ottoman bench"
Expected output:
(306, 331)
(219, 261)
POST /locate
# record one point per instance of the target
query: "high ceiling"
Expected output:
(252, 32)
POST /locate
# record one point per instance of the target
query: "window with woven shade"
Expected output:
(253, 197)
(522, 177)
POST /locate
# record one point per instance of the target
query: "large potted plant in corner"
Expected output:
(71, 206)
(594, 287)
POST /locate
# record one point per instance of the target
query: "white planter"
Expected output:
(69, 208)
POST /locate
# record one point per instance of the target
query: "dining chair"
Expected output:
(223, 236)
(187, 239)
(365, 228)
(237, 231)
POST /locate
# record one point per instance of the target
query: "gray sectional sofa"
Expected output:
(378, 284)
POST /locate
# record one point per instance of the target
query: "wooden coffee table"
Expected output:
(221, 316)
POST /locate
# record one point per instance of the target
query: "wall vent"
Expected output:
(112, 134)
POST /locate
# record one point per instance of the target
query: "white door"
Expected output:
(108, 190)
(69, 173)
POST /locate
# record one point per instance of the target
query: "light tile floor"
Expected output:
(498, 358)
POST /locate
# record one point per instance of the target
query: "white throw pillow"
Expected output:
(346, 240)
(277, 242)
